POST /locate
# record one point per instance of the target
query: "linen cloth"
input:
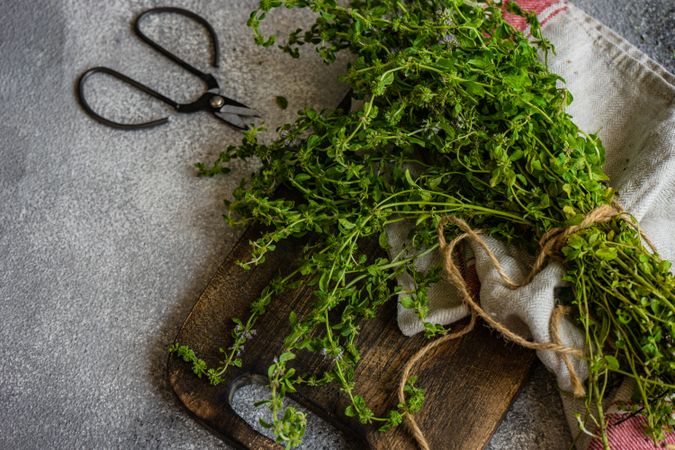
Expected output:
(629, 101)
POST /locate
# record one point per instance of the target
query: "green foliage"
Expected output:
(459, 117)
(625, 299)
(199, 366)
(282, 103)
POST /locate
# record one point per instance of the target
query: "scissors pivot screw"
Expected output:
(217, 101)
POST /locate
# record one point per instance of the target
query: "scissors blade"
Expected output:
(235, 120)
(238, 110)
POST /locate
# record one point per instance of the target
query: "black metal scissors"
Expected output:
(223, 108)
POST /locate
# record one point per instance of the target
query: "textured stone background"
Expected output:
(106, 237)
(647, 24)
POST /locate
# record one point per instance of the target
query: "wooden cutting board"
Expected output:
(469, 383)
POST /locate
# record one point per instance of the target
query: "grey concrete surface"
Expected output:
(647, 24)
(106, 237)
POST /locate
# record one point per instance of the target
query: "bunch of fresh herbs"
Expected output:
(459, 117)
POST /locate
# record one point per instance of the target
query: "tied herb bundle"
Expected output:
(460, 118)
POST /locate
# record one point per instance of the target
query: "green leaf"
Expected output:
(301, 177)
(474, 88)
(407, 302)
(422, 218)
(445, 63)
(612, 362)
(346, 224)
(569, 211)
(286, 356)
(388, 78)
(477, 63)
(516, 155)
(409, 179)
(383, 240)
(606, 253)
(282, 102)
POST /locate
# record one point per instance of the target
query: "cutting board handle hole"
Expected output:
(248, 389)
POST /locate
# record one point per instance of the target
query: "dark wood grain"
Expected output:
(470, 382)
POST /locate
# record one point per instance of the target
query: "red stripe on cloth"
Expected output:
(627, 432)
(535, 6)
(553, 14)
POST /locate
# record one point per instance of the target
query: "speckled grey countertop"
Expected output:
(106, 237)
(647, 24)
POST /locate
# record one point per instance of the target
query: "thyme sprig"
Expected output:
(459, 117)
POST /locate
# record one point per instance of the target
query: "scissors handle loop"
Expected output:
(210, 81)
(130, 81)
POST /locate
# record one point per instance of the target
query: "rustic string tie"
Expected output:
(550, 245)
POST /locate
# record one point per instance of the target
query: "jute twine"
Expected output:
(550, 245)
